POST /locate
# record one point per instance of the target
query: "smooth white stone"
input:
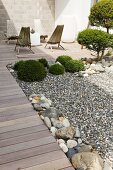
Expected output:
(85, 75)
(107, 165)
(53, 130)
(47, 122)
(71, 143)
(79, 141)
(60, 141)
(42, 117)
(63, 147)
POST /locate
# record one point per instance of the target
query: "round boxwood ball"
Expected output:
(18, 64)
(31, 71)
(44, 62)
(74, 66)
(56, 69)
(63, 59)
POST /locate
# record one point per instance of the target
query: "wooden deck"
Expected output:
(25, 142)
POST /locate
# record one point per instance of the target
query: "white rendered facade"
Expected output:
(75, 13)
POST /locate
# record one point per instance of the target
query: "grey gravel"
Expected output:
(83, 102)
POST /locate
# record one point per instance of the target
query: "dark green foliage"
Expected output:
(74, 66)
(44, 62)
(63, 59)
(18, 64)
(31, 71)
(95, 40)
(102, 14)
(57, 69)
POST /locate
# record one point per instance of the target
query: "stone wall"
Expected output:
(24, 12)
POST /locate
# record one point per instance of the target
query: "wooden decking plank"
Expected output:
(31, 152)
(14, 102)
(53, 165)
(8, 117)
(21, 126)
(32, 161)
(19, 121)
(24, 138)
(21, 132)
(27, 145)
(19, 109)
(15, 107)
(68, 168)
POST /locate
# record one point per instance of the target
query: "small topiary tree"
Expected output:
(95, 40)
(31, 71)
(63, 59)
(56, 69)
(102, 14)
(18, 64)
(44, 62)
(74, 66)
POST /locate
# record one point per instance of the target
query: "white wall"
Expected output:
(78, 8)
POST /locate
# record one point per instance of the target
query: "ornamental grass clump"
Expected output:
(57, 69)
(95, 40)
(74, 66)
(31, 71)
(63, 59)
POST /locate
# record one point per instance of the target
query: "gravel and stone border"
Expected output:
(87, 106)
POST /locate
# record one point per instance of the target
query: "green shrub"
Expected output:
(63, 59)
(44, 62)
(57, 69)
(74, 66)
(95, 40)
(31, 71)
(102, 14)
(18, 64)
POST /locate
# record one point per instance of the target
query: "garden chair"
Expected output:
(56, 36)
(24, 39)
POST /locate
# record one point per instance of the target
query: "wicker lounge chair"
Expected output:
(24, 39)
(56, 36)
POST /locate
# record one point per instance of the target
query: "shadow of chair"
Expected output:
(56, 36)
(24, 39)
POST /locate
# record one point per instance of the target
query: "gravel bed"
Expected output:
(83, 102)
(104, 81)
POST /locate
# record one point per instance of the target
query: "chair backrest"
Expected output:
(57, 34)
(24, 37)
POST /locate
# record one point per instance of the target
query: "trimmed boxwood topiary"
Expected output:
(56, 69)
(31, 70)
(95, 40)
(44, 62)
(74, 66)
(63, 59)
(18, 64)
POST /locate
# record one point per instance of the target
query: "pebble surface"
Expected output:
(83, 102)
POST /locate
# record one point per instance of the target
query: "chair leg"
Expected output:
(31, 50)
(18, 51)
(62, 47)
(15, 48)
(46, 45)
